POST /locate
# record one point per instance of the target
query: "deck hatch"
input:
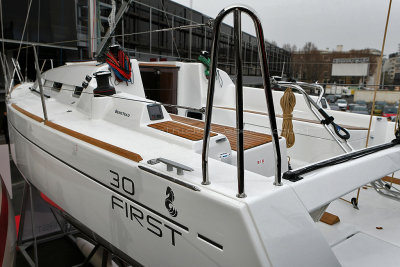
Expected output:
(57, 86)
(78, 91)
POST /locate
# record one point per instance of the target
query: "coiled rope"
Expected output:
(288, 101)
(121, 66)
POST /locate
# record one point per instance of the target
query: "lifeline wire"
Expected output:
(183, 27)
(201, 110)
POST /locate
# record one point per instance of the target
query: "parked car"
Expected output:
(331, 98)
(378, 107)
(324, 103)
(351, 106)
(342, 104)
(334, 106)
(361, 102)
(389, 111)
(360, 109)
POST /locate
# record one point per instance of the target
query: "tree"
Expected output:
(309, 47)
(294, 48)
(287, 47)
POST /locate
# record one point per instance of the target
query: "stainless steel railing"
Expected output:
(39, 79)
(237, 10)
(315, 109)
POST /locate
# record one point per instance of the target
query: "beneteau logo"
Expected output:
(168, 202)
(122, 113)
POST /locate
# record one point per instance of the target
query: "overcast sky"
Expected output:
(354, 24)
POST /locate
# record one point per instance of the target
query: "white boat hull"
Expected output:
(209, 230)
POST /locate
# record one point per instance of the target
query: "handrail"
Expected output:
(237, 9)
(314, 85)
(39, 79)
(323, 117)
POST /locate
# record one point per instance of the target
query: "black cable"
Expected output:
(295, 175)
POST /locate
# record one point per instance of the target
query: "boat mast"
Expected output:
(104, 40)
(92, 44)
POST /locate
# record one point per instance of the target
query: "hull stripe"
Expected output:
(3, 221)
(103, 184)
(26, 113)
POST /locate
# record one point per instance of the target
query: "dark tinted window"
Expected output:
(57, 86)
(78, 90)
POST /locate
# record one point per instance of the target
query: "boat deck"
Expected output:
(251, 139)
(180, 129)
(348, 127)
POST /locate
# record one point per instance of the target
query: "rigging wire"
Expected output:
(2, 25)
(378, 78)
(3, 55)
(23, 31)
(201, 110)
(173, 36)
(183, 27)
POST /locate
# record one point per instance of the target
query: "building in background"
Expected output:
(61, 31)
(391, 69)
(355, 67)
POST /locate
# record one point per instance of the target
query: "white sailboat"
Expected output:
(165, 190)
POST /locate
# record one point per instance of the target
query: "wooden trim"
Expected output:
(348, 127)
(26, 113)
(158, 65)
(179, 129)
(15, 86)
(329, 218)
(106, 146)
(95, 142)
(389, 179)
(251, 139)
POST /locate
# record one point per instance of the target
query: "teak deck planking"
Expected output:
(251, 139)
(179, 129)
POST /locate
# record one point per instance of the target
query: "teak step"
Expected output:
(251, 139)
(329, 218)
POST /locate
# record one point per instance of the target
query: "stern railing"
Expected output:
(237, 10)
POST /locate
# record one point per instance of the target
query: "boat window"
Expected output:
(160, 84)
(57, 86)
(194, 114)
(78, 91)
